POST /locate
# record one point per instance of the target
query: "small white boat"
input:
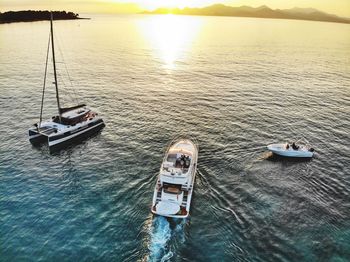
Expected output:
(174, 188)
(291, 150)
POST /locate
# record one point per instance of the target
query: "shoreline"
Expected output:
(39, 20)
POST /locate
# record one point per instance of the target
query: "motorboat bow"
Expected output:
(173, 191)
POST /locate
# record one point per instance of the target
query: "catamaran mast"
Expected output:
(54, 69)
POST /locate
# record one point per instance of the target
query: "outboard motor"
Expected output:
(311, 149)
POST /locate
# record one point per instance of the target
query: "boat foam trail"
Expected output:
(166, 235)
(160, 236)
(179, 231)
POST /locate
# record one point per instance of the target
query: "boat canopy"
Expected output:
(72, 117)
(67, 109)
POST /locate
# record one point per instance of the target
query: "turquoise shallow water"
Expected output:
(234, 84)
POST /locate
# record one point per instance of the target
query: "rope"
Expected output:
(65, 65)
(64, 86)
(44, 85)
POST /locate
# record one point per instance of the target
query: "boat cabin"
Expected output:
(74, 115)
(178, 160)
(176, 167)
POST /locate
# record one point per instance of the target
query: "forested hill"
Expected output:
(30, 16)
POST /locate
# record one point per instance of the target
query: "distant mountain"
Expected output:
(30, 16)
(301, 10)
(259, 12)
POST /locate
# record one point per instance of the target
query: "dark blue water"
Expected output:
(233, 84)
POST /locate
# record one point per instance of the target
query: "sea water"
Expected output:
(233, 84)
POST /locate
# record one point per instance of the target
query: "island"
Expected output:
(296, 13)
(31, 16)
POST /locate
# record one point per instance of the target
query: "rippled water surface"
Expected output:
(233, 84)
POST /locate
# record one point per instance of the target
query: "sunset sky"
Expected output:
(338, 7)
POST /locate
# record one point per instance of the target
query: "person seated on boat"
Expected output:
(187, 162)
(37, 127)
(182, 161)
(177, 163)
(287, 146)
(294, 146)
(56, 119)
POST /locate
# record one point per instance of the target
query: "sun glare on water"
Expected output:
(169, 36)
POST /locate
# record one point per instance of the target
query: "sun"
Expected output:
(169, 36)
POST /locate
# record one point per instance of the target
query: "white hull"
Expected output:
(281, 149)
(58, 135)
(169, 204)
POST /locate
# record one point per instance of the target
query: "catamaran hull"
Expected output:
(60, 141)
(36, 138)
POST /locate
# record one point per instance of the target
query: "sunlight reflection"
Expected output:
(170, 36)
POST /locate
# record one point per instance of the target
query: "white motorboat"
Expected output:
(71, 124)
(174, 188)
(292, 150)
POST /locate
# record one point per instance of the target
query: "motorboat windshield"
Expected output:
(179, 159)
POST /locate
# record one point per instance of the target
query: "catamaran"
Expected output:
(71, 124)
(174, 188)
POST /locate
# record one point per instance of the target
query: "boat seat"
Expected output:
(168, 164)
